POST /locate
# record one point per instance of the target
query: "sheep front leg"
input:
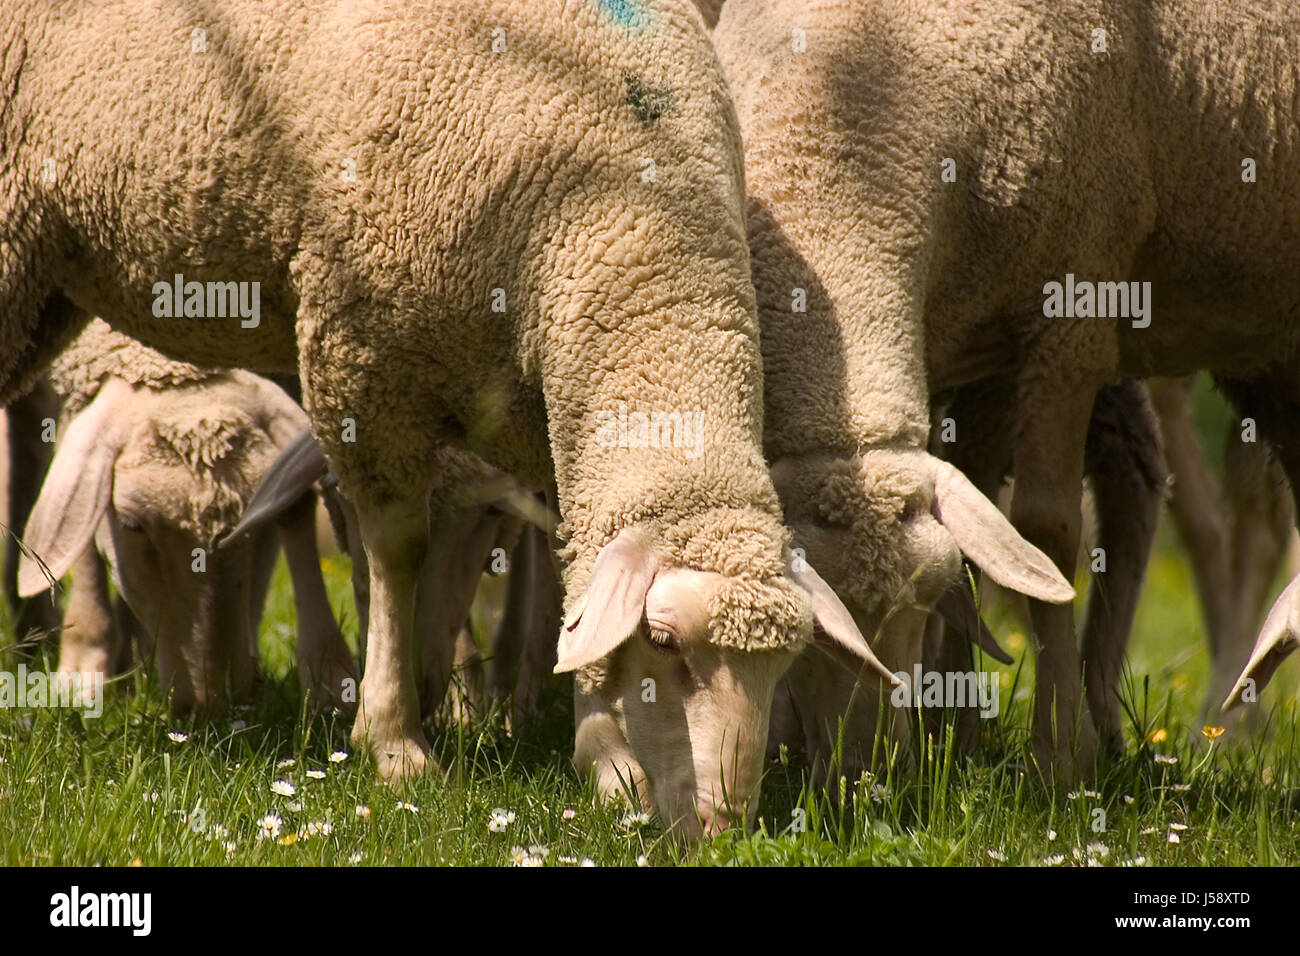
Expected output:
(451, 574)
(29, 459)
(1125, 459)
(395, 536)
(1045, 509)
(88, 644)
(323, 659)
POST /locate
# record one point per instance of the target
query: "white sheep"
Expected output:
(492, 225)
(936, 175)
(155, 460)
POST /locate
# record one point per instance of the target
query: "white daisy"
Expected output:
(499, 819)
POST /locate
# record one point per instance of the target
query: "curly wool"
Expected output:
(99, 352)
(220, 445)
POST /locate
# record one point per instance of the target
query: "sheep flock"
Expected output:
(723, 325)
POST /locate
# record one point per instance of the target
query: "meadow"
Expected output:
(273, 784)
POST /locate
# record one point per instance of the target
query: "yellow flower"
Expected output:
(1016, 641)
(1157, 736)
(289, 839)
(137, 862)
(1212, 733)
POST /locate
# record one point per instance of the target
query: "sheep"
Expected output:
(1126, 467)
(944, 171)
(155, 461)
(525, 219)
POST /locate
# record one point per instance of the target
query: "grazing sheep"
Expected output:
(1126, 470)
(493, 225)
(938, 174)
(155, 461)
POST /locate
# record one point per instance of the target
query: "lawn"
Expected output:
(271, 784)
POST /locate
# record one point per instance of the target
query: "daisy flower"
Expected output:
(499, 819)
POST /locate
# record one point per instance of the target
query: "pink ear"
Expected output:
(834, 618)
(613, 604)
(1279, 636)
(76, 493)
(988, 538)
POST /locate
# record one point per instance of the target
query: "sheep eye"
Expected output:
(662, 641)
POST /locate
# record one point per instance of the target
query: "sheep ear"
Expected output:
(833, 617)
(295, 470)
(1279, 636)
(611, 608)
(957, 606)
(76, 493)
(988, 538)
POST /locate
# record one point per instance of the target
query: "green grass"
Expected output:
(119, 789)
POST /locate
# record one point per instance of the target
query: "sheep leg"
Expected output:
(1124, 459)
(323, 659)
(395, 536)
(1260, 517)
(88, 644)
(465, 694)
(541, 626)
(597, 735)
(1273, 401)
(451, 573)
(1045, 509)
(1196, 506)
(984, 417)
(508, 641)
(29, 459)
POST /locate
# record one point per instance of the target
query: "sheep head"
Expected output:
(888, 528)
(677, 669)
(152, 476)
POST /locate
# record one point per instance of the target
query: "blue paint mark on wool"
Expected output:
(626, 13)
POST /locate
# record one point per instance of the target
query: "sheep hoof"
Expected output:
(402, 760)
